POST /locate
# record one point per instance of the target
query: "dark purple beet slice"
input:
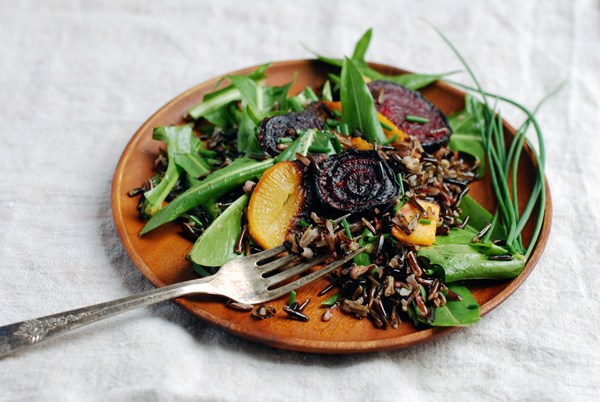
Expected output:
(270, 130)
(399, 101)
(356, 181)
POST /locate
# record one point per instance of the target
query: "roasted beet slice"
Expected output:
(355, 181)
(270, 130)
(399, 101)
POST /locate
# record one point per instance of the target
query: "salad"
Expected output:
(363, 160)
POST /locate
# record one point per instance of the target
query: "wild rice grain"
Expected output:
(295, 314)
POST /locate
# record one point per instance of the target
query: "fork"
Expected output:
(243, 280)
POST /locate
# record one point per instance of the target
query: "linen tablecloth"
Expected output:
(78, 78)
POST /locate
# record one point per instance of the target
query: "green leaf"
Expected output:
(357, 104)
(361, 46)
(212, 187)
(249, 90)
(221, 117)
(304, 142)
(326, 93)
(245, 134)
(210, 207)
(363, 258)
(222, 97)
(194, 165)
(478, 219)
(456, 313)
(297, 102)
(409, 80)
(454, 257)
(457, 262)
(217, 100)
(216, 245)
(466, 131)
(179, 140)
(279, 95)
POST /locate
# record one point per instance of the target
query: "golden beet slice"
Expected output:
(394, 132)
(424, 234)
(275, 204)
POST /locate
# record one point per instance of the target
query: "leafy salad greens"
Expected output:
(207, 180)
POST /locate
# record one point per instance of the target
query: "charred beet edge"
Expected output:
(270, 130)
(398, 101)
(355, 181)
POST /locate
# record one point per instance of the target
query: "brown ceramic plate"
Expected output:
(160, 254)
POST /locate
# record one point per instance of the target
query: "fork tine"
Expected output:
(278, 263)
(263, 255)
(288, 273)
(275, 293)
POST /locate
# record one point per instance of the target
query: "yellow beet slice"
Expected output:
(388, 133)
(394, 131)
(424, 234)
(276, 202)
(360, 144)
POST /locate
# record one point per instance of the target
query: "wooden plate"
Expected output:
(160, 254)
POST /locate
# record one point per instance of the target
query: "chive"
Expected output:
(429, 272)
(385, 126)
(473, 306)
(345, 130)
(337, 113)
(332, 123)
(388, 142)
(416, 119)
(292, 298)
(303, 223)
(310, 94)
(347, 229)
(315, 148)
(331, 301)
(403, 201)
(195, 220)
(425, 221)
(512, 223)
(207, 152)
(374, 270)
(286, 140)
(401, 184)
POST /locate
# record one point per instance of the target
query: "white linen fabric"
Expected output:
(78, 78)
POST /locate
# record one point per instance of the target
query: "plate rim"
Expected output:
(294, 343)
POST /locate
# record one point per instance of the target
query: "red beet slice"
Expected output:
(399, 101)
(270, 130)
(355, 181)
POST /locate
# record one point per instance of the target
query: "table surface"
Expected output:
(78, 78)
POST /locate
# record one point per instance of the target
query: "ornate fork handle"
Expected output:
(26, 333)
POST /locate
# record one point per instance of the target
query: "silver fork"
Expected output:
(242, 280)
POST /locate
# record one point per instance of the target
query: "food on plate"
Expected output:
(411, 113)
(360, 160)
(271, 129)
(276, 204)
(355, 181)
